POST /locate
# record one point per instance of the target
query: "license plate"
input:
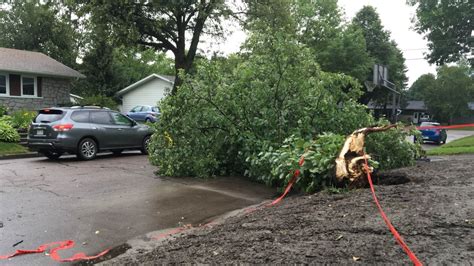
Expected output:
(40, 132)
(425, 137)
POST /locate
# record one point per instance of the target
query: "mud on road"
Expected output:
(433, 210)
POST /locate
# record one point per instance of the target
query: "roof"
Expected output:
(14, 60)
(415, 105)
(169, 79)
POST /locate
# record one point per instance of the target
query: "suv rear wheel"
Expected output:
(87, 149)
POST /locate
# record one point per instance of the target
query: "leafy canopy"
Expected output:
(382, 50)
(38, 26)
(447, 25)
(163, 25)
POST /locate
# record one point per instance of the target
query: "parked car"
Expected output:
(85, 131)
(144, 113)
(433, 134)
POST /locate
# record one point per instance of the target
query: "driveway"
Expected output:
(104, 202)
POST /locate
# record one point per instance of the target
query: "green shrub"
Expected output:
(22, 119)
(99, 100)
(3, 110)
(391, 149)
(317, 172)
(8, 133)
(6, 119)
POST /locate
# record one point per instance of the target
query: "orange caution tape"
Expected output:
(53, 248)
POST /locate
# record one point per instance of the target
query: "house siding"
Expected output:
(54, 91)
(146, 94)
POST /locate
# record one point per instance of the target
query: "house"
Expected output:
(32, 80)
(415, 112)
(147, 91)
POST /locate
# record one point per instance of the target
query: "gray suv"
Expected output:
(85, 131)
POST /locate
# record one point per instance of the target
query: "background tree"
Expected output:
(382, 50)
(447, 25)
(451, 93)
(163, 25)
(33, 26)
(337, 47)
(418, 89)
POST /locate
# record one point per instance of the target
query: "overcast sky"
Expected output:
(396, 18)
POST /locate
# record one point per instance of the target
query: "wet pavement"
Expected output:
(104, 202)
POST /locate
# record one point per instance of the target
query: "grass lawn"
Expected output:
(459, 146)
(11, 148)
(464, 128)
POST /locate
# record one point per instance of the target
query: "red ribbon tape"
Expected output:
(53, 248)
(395, 233)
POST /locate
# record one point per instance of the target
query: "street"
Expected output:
(102, 203)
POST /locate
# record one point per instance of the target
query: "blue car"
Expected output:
(433, 134)
(144, 113)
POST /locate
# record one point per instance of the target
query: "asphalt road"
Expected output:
(104, 202)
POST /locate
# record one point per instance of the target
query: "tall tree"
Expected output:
(382, 50)
(447, 25)
(337, 47)
(34, 26)
(163, 25)
(453, 90)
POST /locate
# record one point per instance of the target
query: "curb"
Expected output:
(20, 156)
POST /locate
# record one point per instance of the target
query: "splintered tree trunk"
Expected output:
(350, 162)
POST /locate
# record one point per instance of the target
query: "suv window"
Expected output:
(136, 109)
(155, 109)
(80, 116)
(101, 118)
(146, 109)
(120, 119)
(49, 115)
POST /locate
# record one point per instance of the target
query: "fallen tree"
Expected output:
(349, 163)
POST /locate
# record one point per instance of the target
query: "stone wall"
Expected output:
(55, 92)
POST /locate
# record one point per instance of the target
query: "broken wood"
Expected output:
(350, 162)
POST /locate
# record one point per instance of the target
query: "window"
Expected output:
(155, 109)
(136, 109)
(121, 120)
(49, 115)
(80, 116)
(101, 118)
(28, 86)
(146, 109)
(3, 84)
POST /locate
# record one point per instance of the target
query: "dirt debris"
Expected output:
(429, 209)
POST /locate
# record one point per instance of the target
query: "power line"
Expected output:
(415, 59)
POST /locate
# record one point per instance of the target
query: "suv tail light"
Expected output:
(63, 127)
